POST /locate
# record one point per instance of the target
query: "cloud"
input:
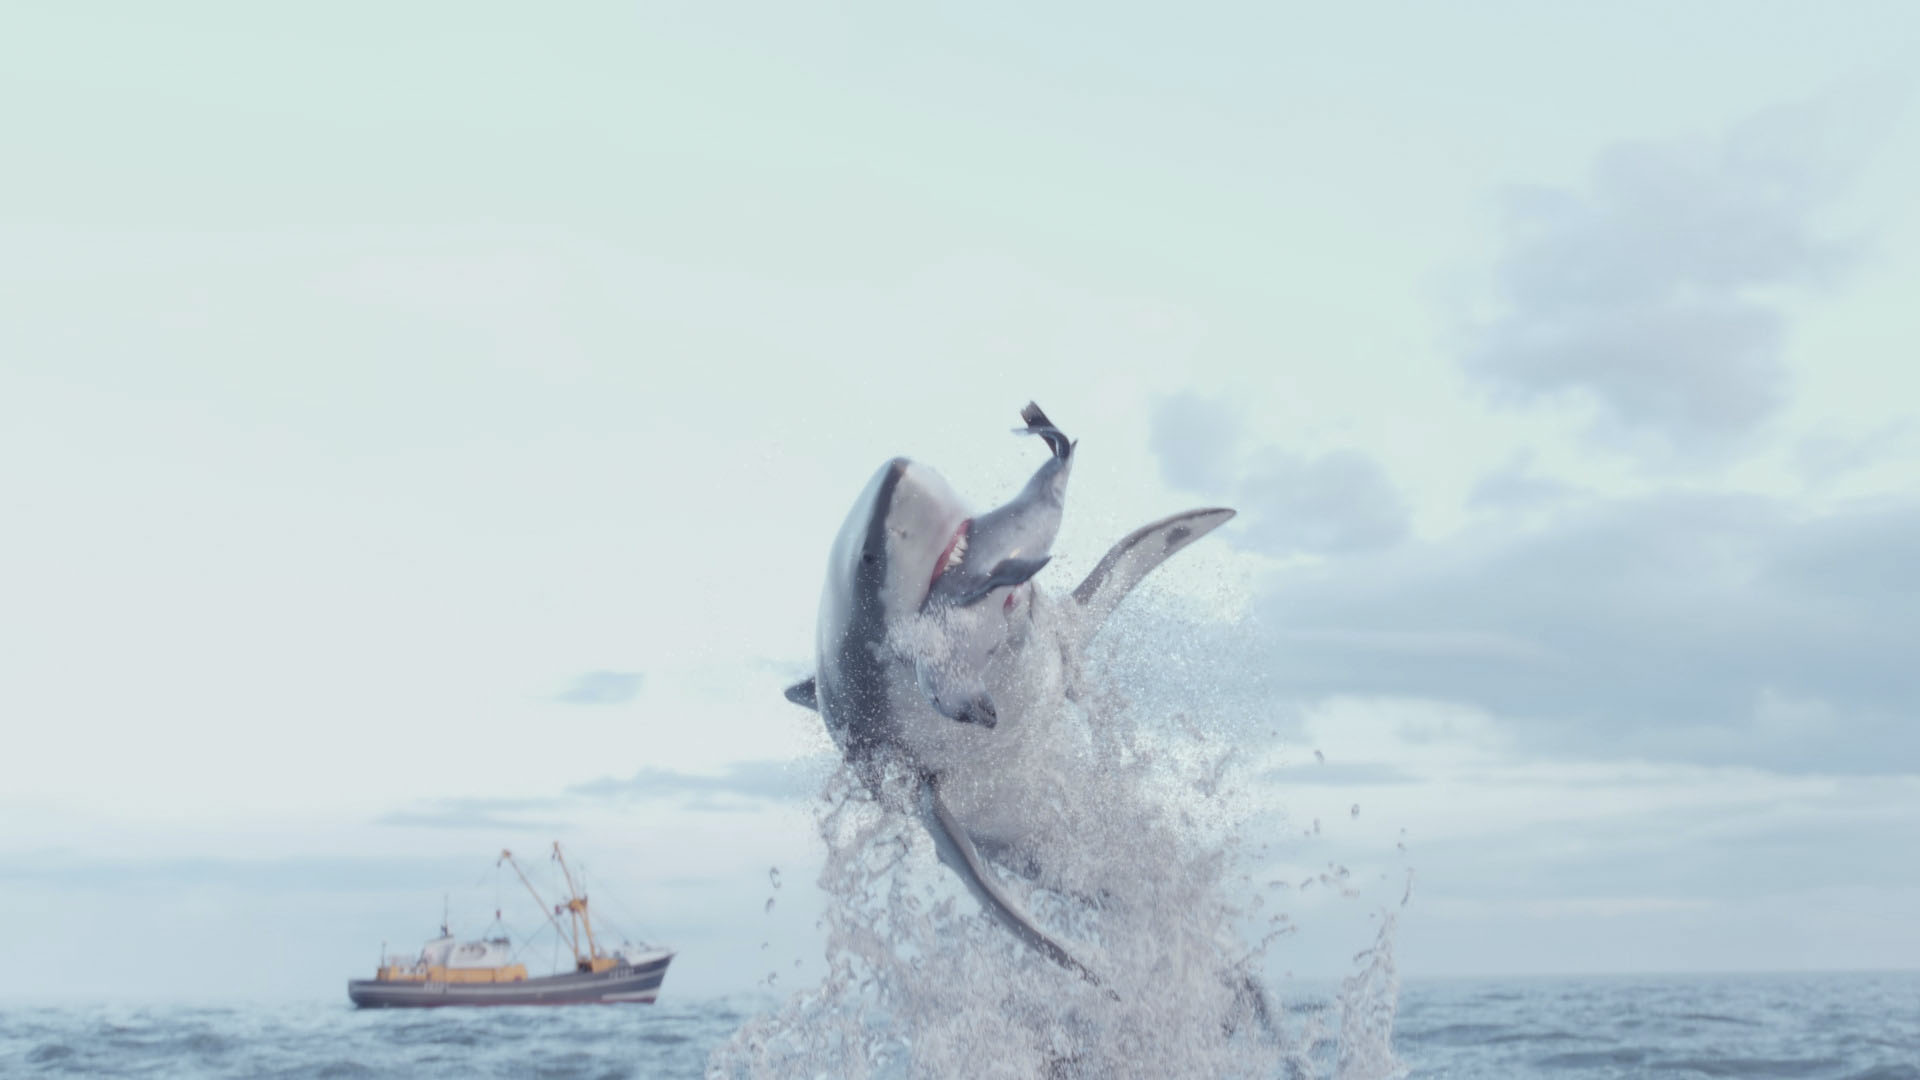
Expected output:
(1654, 293)
(1339, 774)
(602, 688)
(1711, 628)
(299, 875)
(1826, 457)
(1339, 501)
(704, 792)
(1196, 440)
(1759, 835)
(774, 780)
(493, 814)
(1516, 486)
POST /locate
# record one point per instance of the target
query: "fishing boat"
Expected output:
(482, 972)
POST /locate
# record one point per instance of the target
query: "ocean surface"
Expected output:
(1821, 1027)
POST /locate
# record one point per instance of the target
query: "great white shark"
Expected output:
(930, 657)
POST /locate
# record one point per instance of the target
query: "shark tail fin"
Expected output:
(1038, 424)
(1128, 562)
(956, 849)
(805, 693)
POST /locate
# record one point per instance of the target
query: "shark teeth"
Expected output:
(956, 550)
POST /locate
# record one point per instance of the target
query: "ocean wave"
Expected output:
(1619, 1056)
(1785, 1067)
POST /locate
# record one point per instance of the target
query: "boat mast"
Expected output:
(576, 902)
(573, 940)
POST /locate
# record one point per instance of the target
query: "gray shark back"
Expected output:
(850, 683)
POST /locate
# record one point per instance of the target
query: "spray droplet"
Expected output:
(1319, 757)
(1316, 826)
(769, 905)
(1355, 812)
(773, 875)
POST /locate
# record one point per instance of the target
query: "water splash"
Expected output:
(1133, 860)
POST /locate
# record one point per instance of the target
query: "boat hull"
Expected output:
(636, 984)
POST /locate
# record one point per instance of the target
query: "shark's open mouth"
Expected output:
(956, 550)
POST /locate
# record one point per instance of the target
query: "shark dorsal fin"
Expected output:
(1128, 562)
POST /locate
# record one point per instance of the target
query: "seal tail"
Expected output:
(1038, 424)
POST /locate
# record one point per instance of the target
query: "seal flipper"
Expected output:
(1005, 572)
(956, 849)
(1038, 424)
(805, 693)
(1128, 562)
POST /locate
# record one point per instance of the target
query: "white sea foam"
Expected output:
(1132, 858)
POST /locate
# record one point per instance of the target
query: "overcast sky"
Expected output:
(424, 427)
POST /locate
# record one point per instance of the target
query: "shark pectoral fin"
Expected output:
(805, 693)
(1128, 562)
(957, 850)
(956, 698)
(1005, 574)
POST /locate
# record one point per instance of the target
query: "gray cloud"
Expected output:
(1856, 835)
(752, 779)
(1196, 440)
(1648, 293)
(766, 780)
(1516, 486)
(1827, 457)
(1290, 503)
(602, 688)
(1338, 774)
(1337, 502)
(302, 876)
(1707, 628)
(493, 814)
